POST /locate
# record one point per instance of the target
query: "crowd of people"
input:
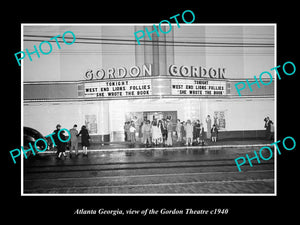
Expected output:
(152, 133)
(164, 132)
(73, 143)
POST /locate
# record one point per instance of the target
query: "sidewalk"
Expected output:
(123, 146)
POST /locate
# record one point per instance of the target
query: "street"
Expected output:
(151, 171)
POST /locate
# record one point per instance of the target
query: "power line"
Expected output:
(114, 41)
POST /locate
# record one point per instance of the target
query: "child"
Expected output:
(214, 133)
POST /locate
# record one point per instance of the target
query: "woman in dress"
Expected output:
(156, 133)
(201, 134)
(169, 141)
(61, 146)
(84, 139)
(178, 131)
(159, 125)
(189, 133)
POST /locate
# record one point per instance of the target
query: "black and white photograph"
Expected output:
(149, 112)
(149, 109)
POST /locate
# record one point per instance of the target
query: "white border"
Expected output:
(22, 113)
(275, 113)
(143, 24)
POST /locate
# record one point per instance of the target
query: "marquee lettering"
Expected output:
(146, 71)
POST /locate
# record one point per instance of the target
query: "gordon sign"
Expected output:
(196, 71)
(146, 71)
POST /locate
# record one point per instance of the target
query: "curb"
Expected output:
(212, 147)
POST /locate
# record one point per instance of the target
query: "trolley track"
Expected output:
(173, 176)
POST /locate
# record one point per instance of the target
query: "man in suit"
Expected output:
(74, 140)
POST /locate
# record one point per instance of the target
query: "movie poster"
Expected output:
(219, 119)
(91, 123)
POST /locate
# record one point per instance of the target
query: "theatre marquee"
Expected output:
(197, 87)
(123, 88)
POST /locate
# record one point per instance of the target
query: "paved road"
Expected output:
(192, 171)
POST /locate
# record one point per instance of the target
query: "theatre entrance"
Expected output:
(153, 115)
(139, 117)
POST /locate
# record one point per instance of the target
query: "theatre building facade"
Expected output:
(105, 78)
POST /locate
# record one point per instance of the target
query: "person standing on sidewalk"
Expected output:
(183, 132)
(214, 133)
(197, 132)
(169, 133)
(74, 140)
(164, 131)
(132, 133)
(126, 129)
(159, 125)
(189, 133)
(61, 146)
(178, 131)
(201, 134)
(140, 131)
(268, 124)
(208, 123)
(146, 130)
(84, 139)
(156, 133)
(127, 126)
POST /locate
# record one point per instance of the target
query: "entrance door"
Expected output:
(155, 115)
(139, 117)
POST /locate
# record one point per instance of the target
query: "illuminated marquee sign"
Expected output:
(119, 73)
(147, 71)
(129, 88)
(197, 71)
(197, 87)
